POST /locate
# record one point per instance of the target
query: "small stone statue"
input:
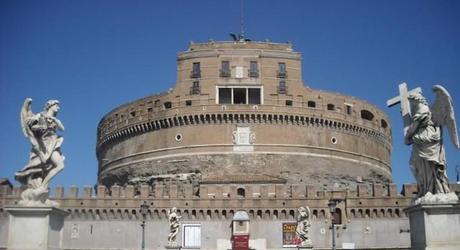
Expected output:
(303, 226)
(46, 159)
(424, 133)
(173, 225)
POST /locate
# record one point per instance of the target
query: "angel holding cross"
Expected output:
(423, 130)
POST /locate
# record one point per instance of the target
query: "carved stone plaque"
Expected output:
(239, 72)
(243, 139)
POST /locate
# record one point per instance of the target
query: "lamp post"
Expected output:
(332, 207)
(144, 211)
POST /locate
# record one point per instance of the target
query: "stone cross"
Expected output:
(405, 105)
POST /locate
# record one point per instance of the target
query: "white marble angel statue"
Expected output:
(46, 159)
(425, 134)
(303, 226)
(173, 225)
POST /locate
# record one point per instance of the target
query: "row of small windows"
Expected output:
(229, 95)
(252, 96)
(191, 214)
(110, 135)
(225, 70)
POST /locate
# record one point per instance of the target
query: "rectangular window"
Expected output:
(196, 71)
(225, 96)
(282, 70)
(254, 95)
(349, 111)
(191, 236)
(282, 88)
(225, 69)
(195, 89)
(239, 96)
(253, 69)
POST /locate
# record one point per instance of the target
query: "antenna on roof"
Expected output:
(240, 36)
(242, 19)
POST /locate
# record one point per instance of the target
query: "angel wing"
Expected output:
(307, 208)
(442, 112)
(26, 114)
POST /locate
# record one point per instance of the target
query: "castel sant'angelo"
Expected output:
(240, 113)
(238, 131)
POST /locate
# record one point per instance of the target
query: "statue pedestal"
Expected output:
(305, 247)
(434, 226)
(35, 228)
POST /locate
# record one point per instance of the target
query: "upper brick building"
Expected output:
(240, 113)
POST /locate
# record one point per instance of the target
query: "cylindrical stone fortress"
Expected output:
(239, 113)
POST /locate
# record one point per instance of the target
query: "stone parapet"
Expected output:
(252, 191)
(271, 199)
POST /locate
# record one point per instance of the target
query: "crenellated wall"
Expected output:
(372, 216)
(268, 201)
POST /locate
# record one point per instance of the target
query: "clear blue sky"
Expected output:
(96, 55)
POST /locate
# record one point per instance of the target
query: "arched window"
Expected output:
(315, 213)
(367, 115)
(259, 214)
(390, 212)
(337, 216)
(375, 213)
(193, 214)
(240, 192)
(311, 104)
(353, 213)
(330, 106)
(383, 123)
(267, 214)
(291, 214)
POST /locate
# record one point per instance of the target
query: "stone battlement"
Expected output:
(266, 201)
(224, 191)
